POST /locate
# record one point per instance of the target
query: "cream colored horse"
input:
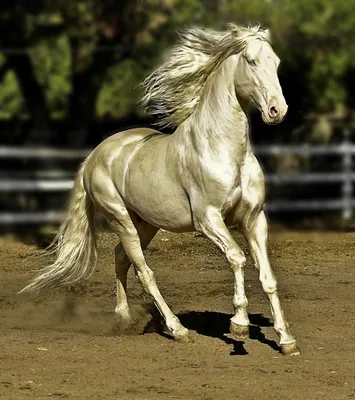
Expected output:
(204, 177)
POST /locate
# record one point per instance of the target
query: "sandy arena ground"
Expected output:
(66, 344)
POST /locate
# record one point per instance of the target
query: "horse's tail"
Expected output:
(74, 246)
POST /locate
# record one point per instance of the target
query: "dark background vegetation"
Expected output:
(69, 70)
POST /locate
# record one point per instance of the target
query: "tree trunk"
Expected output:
(34, 97)
(3, 69)
(85, 89)
(40, 133)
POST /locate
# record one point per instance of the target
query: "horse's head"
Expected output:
(256, 80)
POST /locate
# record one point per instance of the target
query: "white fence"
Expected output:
(52, 181)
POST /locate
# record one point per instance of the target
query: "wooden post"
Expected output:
(347, 188)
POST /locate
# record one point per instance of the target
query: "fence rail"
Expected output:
(52, 181)
(40, 152)
(35, 185)
(25, 218)
(306, 149)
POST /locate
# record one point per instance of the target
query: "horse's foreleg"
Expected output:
(126, 230)
(146, 233)
(211, 224)
(257, 239)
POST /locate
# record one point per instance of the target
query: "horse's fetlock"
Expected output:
(240, 301)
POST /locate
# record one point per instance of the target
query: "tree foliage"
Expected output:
(82, 60)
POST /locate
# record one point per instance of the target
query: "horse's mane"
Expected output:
(172, 92)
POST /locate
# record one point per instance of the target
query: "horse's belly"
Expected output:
(161, 202)
(173, 216)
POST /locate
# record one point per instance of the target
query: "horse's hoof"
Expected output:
(239, 331)
(182, 336)
(290, 349)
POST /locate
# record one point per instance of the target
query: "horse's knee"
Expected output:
(236, 258)
(269, 285)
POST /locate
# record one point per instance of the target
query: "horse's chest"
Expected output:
(249, 196)
(233, 198)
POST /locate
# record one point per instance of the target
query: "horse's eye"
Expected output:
(252, 62)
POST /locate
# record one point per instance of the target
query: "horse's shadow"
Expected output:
(216, 325)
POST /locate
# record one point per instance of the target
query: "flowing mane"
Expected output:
(172, 92)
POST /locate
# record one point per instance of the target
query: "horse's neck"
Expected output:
(220, 122)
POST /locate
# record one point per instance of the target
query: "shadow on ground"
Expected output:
(216, 325)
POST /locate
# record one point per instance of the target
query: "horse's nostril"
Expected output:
(273, 112)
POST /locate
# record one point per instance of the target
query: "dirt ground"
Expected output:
(66, 344)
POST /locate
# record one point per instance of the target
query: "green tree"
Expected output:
(86, 57)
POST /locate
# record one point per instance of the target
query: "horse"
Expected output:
(203, 177)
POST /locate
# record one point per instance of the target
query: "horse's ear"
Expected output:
(267, 34)
(233, 28)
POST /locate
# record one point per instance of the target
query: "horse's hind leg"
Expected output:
(122, 224)
(122, 265)
(146, 233)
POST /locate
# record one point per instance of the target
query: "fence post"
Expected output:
(347, 189)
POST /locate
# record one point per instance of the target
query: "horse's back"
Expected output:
(114, 145)
(116, 141)
(129, 135)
